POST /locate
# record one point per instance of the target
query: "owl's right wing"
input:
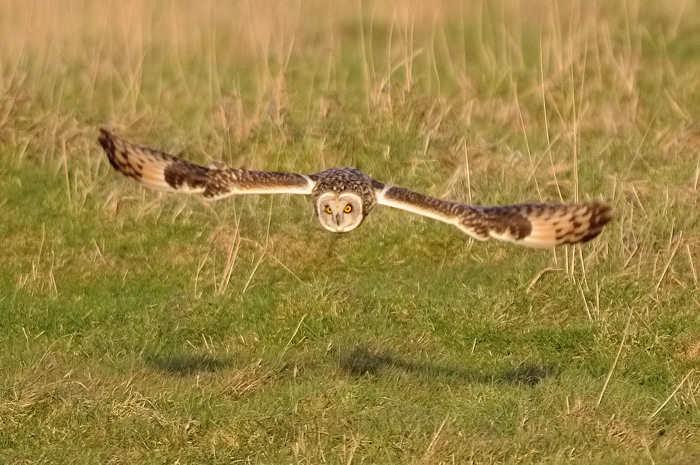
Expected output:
(528, 224)
(162, 171)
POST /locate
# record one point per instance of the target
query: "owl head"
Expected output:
(340, 212)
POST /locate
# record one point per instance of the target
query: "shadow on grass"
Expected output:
(362, 361)
(187, 364)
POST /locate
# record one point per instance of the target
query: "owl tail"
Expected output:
(152, 168)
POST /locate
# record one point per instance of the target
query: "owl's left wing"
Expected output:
(162, 171)
(528, 224)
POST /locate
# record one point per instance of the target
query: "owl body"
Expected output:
(343, 197)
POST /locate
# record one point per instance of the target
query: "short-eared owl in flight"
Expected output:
(343, 197)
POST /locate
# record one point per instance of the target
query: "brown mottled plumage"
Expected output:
(162, 171)
(345, 196)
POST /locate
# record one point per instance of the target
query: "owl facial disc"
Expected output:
(339, 212)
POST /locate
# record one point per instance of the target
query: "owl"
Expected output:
(343, 197)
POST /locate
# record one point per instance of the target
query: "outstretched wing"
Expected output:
(162, 171)
(529, 224)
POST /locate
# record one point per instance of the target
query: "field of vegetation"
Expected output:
(140, 327)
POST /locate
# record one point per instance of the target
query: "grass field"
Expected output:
(139, 327)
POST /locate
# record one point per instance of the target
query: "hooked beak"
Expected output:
(337, 219)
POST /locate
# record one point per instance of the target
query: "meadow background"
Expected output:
(138, 327)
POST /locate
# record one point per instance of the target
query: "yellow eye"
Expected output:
(348, 208)
(328, 210)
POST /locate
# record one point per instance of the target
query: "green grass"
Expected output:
(145, 328)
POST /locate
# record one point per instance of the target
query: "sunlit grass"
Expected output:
(140, 327)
